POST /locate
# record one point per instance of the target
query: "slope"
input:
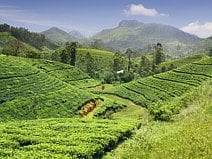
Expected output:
(5, 37)
(33, 39)
(27, 92)
(102, 59)
(189, 136)
(151, 91)
(64, 72)
(58, 35)
(137, 35)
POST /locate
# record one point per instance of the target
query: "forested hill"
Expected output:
(137, 35)
(34, 39)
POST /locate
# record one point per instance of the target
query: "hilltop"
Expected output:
(61, 37)
(58, 35)
(137, 35)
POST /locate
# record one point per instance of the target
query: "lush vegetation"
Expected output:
(108, 108)
(80, 109)
(34, 39)
(188, 136)
(62, 138)
(64, 72)
(165, 87)
(27, 92)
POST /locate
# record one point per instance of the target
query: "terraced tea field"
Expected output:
(67, 73)
(44, 92)
(28, 92)
(165, 86)
(62, 138)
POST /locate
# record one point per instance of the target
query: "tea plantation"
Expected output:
(27, 92)
(165, 86)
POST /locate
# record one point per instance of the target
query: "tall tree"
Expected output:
(118, 62)
(129, 54)
(144, 67)
(159, 56)
(64, 56)
(73, 53)
(90, 65)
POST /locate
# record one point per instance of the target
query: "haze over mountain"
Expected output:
(137, 35)
(58, 35)
(77, 34)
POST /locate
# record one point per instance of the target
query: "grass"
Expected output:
(188, 136)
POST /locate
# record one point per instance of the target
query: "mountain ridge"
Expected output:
(137, 35)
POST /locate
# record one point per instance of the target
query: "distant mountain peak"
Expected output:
(77, 34)
(53, 30)
(58, 35)
(130, 23)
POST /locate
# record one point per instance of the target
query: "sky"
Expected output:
(92, 16)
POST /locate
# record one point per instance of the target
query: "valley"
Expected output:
(105, 80)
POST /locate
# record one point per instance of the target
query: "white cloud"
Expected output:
(201, 30)
(9, 11)
(139, 9)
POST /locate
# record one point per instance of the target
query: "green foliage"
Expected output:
(36, 40)
(90, 67)
(165, 87)
(102, 59)
(108, 108)
(172, 64)
(159, 56)
(14, 47)
(27, 92)
(118, 62)
(144, 67)
(188, 136)
(62, 138)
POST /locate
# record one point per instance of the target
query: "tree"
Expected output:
(64, 56)
(144, 67)
(73, 53)
(210, 52)
(129, 53)
(90, 65)
(68, 55)
(118, 62)
(14, 47)
(32, 54)
(159, 56)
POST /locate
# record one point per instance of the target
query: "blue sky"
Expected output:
(91, 16)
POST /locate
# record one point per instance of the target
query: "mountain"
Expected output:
(76, 34)
(137, 35)
(58, 35)
(35, 40)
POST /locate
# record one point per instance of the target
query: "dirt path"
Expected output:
(131, 111)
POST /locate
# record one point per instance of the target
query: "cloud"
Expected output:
(202, 30)
(9, 11)
(139, 9)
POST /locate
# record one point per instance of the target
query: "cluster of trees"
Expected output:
(68, 55)
(34, 39)
(15, 47)
(122, 69)
(125, 71)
